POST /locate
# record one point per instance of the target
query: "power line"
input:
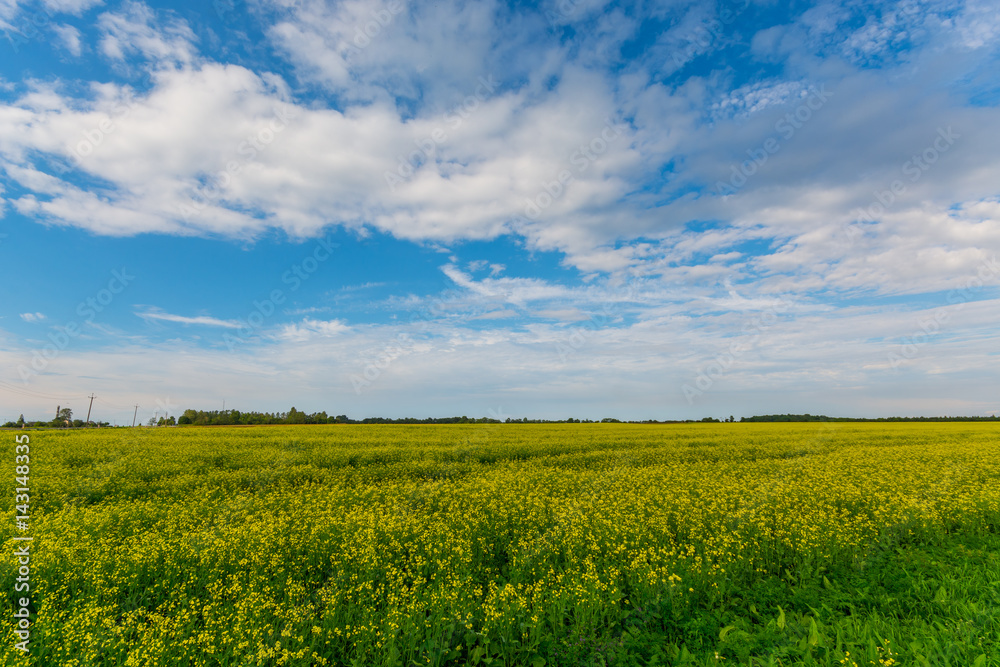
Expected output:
(114, 406)
(5, 386)
(92, 397)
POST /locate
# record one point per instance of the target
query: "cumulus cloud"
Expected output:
(867, 167)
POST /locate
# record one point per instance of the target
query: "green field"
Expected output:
(502, 544)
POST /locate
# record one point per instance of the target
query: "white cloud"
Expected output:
(309, 328)
(222, 150)
(137, 30)
(75, 7)
(70, 37)
(497, 315)
(307, 311)
(201, 320)
(9, 10)
(834, 361)
(978, 26)
(754, 98)
(32, 317)
(518, 291)
(321, 166)
(562, 314)
(375, 50)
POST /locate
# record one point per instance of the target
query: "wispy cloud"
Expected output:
(563, 314)
(307, 311)
(496, 315)
(199, 320)
(363, 286)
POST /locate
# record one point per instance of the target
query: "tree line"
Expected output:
(294, 416)
(823, 418)
(64, 419)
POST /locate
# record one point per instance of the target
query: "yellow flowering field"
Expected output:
(498, 544)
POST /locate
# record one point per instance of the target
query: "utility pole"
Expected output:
(92, 397)
(134, 414)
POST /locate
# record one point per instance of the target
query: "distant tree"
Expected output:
(20, 420)
(295, 417)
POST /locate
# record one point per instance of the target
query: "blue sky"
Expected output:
(569, 208)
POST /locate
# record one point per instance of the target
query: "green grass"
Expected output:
(914, 604)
